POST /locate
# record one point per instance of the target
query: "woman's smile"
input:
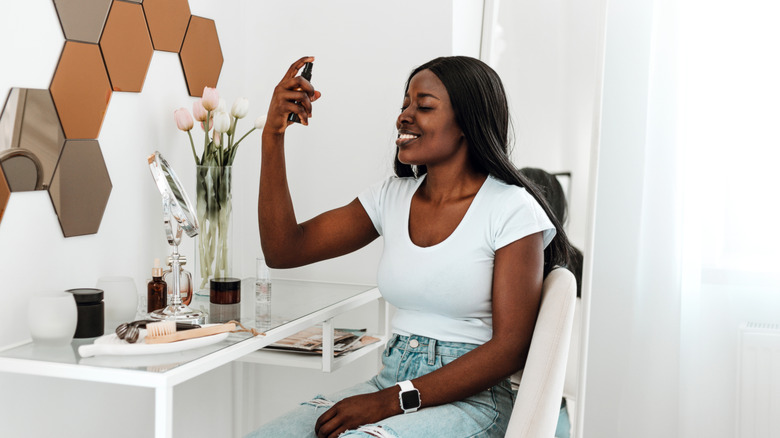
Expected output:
(405, 138)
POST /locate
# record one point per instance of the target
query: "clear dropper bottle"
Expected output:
(262, 296)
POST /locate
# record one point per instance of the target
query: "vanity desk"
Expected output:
(296, 305)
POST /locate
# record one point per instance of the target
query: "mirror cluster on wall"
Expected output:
(48, 137)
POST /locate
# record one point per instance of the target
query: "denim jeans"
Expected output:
(562, 430)
(482, 415)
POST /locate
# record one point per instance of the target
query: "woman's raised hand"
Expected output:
(293, 94)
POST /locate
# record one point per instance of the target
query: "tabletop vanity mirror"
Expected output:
(178, 216)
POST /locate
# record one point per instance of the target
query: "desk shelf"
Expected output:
(311, 361)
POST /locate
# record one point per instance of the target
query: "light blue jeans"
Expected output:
(482, 415)
(562, 430)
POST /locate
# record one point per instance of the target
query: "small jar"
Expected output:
(224, 300)
(225, 290)
(91, 312)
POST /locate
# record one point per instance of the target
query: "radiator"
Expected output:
(758, 381)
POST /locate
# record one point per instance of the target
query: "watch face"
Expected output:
(410, 399)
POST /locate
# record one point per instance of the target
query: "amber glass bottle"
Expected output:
(156, 290)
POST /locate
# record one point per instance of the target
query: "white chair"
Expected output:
(535, 414)
(571, 384)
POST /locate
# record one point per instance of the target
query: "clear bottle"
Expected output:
(262, 296)
(185, 281)
(156, 289)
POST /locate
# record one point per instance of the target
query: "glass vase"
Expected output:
(215, 217)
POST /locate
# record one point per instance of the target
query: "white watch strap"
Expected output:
(406, 385)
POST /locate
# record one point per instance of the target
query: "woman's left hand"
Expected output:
(355, 411)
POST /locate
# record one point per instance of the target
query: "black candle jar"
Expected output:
(91, 312)
(225, 290)
(224, 300)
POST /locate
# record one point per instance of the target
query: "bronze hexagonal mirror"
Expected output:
(80, 187)
(31, 139)
(5, 193)
(126, 47)
(82, 20)
(81, 90)
(168, 21)
(201, 55)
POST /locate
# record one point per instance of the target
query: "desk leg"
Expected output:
(163, 412)
(327, 345)
(244, 406)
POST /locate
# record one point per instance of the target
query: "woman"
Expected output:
(465, 251)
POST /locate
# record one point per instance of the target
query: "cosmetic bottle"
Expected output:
(306, 74)
(262, 296)
(185, 281)
(156, 290)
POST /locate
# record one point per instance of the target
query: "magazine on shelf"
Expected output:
(310, 341)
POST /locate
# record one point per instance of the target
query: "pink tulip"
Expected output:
(198, 111)
(183, 119)
(210, 98)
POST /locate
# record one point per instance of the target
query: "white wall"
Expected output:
(364, 52)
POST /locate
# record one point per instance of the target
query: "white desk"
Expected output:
(296, 305)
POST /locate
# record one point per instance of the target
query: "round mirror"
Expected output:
(175, 199)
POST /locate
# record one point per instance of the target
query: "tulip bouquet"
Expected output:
(211, 112)
(214, 177)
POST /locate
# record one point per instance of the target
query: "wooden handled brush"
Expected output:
(165, 331)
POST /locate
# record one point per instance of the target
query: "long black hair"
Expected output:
(553, 192)
(482, 113)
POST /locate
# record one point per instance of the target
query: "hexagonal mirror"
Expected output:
(126, 46)
(168, 21)
(82, 20)
(81, 90)
(31, 139)
(5, 193)
(80, 187)
(201, 55)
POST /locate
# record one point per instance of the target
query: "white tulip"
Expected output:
(221, 122)
(222, 107)
(260, 122)
(240, 108)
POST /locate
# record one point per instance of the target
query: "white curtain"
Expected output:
(633, 357)
(686, 181)
(729, 89)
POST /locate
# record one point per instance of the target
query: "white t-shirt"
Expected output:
(445, 291)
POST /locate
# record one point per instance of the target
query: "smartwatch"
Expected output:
(409, 397)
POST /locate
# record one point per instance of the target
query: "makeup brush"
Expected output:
(129, 330)
(165, 331)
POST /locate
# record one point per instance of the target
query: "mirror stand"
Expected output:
(176, 309)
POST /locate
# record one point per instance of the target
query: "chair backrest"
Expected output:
(535, 414)
(571, 382)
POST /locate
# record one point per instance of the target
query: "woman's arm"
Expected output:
(285, 242)
(517, 291)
